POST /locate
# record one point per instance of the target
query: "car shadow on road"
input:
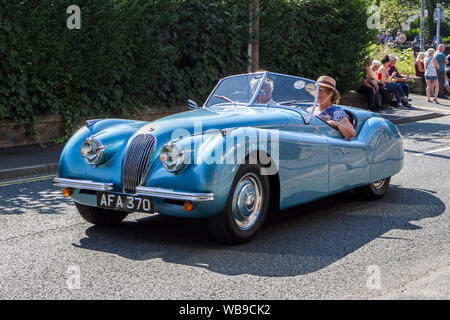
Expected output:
(297, 241)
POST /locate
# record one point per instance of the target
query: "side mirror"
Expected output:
(192, 104)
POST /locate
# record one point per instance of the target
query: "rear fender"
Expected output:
(385, 148)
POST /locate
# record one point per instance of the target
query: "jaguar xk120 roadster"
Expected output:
(232, 161)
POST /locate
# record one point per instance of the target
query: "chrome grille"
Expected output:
(137, 161)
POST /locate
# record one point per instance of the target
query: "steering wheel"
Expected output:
(353, 118)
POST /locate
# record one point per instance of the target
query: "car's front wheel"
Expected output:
(374, 191)
(100, 217)
(246, 208)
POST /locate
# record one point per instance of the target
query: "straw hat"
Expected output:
(329, 82)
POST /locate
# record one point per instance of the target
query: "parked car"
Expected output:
(254, 147)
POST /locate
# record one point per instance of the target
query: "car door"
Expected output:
(348, 161)
(303, 165)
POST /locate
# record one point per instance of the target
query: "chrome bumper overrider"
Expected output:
(144, 191)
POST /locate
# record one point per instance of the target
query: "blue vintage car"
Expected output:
(232, 161)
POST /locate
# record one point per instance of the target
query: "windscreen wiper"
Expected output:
(289, 102)
(225, 98)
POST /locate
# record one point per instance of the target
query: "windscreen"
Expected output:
(286, 89)
(236, 89)
(275, 89)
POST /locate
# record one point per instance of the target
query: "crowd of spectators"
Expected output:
(434, 68)
(384, 86)
(384, 38)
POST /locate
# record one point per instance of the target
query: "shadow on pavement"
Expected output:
(431, 132)
(21, 198)
(297, 241)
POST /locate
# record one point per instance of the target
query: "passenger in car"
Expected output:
(328, 112)
(265, 93)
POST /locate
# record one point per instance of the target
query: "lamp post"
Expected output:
(438, 29)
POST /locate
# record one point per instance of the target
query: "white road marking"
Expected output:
(33, 179)
(434, 151)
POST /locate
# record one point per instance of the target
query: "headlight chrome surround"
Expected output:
(172, 157)
(92, 151)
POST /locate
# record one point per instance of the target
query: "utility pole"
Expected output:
(430, 5)
(422, 27)
(254, 35)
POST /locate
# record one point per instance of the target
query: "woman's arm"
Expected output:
(344, 127)
(420, 66)
(383, 75)
(367, 84)
(436, 63)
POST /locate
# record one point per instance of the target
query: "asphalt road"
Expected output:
(336, 248)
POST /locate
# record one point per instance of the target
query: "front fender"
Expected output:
(212, 160)
(114, 134)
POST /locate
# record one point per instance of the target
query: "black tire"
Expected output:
(230, 226)
(100, 217)
(374, 191)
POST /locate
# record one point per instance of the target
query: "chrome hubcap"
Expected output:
(247, 200)
(379, 184)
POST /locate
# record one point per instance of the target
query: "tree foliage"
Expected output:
(313, 38)
(136, 53)
(395, 13)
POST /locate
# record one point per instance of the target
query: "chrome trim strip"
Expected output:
(171, 194)
(135, 167)
(81, 184)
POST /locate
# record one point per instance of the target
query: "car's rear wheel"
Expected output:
(100, 217)
(246, 207)
(374, 191)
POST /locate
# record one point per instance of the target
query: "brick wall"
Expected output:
(53, 127)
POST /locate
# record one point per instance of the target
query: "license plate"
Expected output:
(125, 202)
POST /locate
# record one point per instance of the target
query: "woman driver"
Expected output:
(333, 115)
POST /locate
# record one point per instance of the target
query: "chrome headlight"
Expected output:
(172, 157)
(92, 151)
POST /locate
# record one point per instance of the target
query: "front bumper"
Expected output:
(82, 184)
(140, 190)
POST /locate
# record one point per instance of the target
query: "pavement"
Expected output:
(421, 110)
(35, 159)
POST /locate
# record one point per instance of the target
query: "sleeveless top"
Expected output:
(418, 73)
(430, 67)
(386, 76)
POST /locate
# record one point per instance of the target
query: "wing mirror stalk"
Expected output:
(192, 104)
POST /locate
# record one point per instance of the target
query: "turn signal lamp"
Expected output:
(67, 192)
(188, 206)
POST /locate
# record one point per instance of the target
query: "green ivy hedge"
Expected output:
(317, 37)
(136, 53)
